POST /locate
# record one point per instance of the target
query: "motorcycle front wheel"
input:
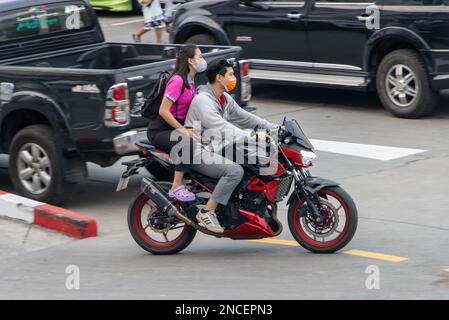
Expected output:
(338, 225)
(147, 227)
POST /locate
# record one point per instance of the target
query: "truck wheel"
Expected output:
(200, 39)
(403, 85)
(137, 8)
(36, 166)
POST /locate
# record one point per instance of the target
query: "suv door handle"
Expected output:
(294, 15)
(364, 18)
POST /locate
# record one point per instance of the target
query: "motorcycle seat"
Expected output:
(145, 144)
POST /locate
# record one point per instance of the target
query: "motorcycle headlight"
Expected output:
(308, 157)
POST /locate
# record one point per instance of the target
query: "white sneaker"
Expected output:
(210, 221)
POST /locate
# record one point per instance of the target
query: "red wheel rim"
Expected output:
(312, 241)
(141, 230)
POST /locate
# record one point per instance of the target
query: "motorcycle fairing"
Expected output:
(295, 129)
(255, 228)
(315, 184)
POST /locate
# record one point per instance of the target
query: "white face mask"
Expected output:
(200, 66)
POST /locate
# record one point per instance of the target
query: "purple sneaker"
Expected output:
(182, 194)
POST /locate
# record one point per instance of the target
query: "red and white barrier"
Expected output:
(47, 216)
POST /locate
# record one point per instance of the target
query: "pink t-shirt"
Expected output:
(173, 93)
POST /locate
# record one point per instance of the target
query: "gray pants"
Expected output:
(229, 174)
(192, 155)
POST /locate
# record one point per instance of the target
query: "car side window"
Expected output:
(277, 1)
(415, 2)
(44, 19)
(347, 1)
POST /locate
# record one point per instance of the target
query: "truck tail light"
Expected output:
(245, 81)
(119, 92)
(117, 106)
(244, 67)
(120, 114)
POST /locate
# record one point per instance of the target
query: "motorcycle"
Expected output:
(322, 216)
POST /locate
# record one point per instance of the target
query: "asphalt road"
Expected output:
(403, 228)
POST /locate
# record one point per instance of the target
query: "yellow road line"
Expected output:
(375, 255)
(354, 252)
(447, 270)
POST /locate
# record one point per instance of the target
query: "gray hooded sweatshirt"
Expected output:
(231, 119)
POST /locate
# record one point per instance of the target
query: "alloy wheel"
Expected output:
(402, 85)
(34, 169)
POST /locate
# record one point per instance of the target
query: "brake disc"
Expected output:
(332, 224)
(152, 217)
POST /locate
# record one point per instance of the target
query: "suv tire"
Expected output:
(35, 152)
(137, 7)
(201, 39)
(403, 85)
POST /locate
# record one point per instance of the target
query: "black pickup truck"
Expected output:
(68, 97)
(398, 47)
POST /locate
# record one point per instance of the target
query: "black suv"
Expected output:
(398, 47)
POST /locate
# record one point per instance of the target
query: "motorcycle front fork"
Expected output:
(311, 199)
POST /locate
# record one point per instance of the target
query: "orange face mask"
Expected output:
(231, 85)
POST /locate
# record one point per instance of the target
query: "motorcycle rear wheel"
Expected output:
(307, 232)
(140, 210)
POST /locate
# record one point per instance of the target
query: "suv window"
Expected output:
(348, 1)
(43, 19)
(415, 2)
(277, 1)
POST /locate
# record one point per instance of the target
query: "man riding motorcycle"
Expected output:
(321, 215)
(214, 109)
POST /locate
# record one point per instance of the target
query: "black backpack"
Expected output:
(150, 109)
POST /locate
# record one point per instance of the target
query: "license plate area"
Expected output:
(123, 182)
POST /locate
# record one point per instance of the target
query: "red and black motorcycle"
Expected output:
(322, 216)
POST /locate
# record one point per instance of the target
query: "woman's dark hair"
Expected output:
(217, 66)
(182, 62)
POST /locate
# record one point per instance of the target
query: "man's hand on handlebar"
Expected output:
(261, 135)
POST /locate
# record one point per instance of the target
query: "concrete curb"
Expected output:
(47, 216)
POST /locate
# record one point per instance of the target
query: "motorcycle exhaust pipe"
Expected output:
(158, 196)
(161, 199)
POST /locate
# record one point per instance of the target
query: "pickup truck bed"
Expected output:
(78, 81)
(86, 98)
(109, 56)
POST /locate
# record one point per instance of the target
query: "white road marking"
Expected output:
(370, 151)
(127, 22)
